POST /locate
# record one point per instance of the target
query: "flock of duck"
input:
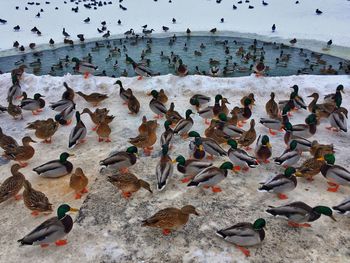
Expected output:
(225, 128)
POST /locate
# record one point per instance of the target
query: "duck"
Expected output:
(55, 168)
(61, 105)
(299, 213)
(263, 149)
(318, 150)
(249, 96)
(164, 168)
(168, 135)
(244, 234)
(103, 131)
(44, 129)
(147, 124)
(240, 158)
(171, 218)
(69, 93)
(196, 149)
(181, 69)
(156, 106)
(21, 153)
(211, 111)
(214, 71)
(93, 98)
(224, 108)
(78, 133)
(66, 115)
(35, 200)
(321, 110)
(6, 141)
(121, 160)
(343, 208)
(301, 130)
(233, 120)
(172, 115)
(245, 113)
(15, 91)
(199, 100)
(162, 97)
(215, 132)
(278, 123)
(229, 129)
(211, 176)
(335, 174)
(78, 182)
(310, 168)
(184, 125)
(271, 107)
(123, 93)
(190, 167)
(14, 110)
(35, 105)
(133, 103)
(128, 183)
(84, 67)
(98, 116)
(338, 120)
(145, 140)
(210, 146)
(281, 183)
(333, 97)
(12, 185)
(248, 137)
(290, 156)
(142, 71)
(52, 230)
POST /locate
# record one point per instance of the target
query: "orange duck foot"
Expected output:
(69, 122)
(23, 164)
(108, 140)
(271, 132)
(86, 75)
(293, 224)
(39, 110)
(216, 189)
(126, 195)
(245, 251)
(211, 157)
(18, 197)
(94, 128)
(44, 245)
(100, 139)
(35, 213)
(84, 191)
(166, 232)
(47, 141)
(282, 196)
(266, 161)
(124, 170)
(237, 168)
(139, 78)
(35, 113)
(61, 242)
(333, 189)
(245, 169)
(185, 180)
(247, 148)
(78, 196)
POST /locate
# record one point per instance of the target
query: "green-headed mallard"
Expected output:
(338, 120)
(164, 168)
(93, 98)
(34, 105)
(298, 100)
(210, 146)
(12, 185)
(14, 92)
(196, 148)
(168, 135)
(123, 93)
(51, 230)
(245, 113)
(133, 103)
(211, 111)
(172, 115)
(190, 167)
(239, 158)
(7, 141)
(290, 156)
(281, 183)
(211, 176)
(84, 67)
(263, 149)
(44, 129)
(229, 129)
(298, 213)
(271, 107)
(121, 160)
(78, 182)
(301, 130)
(55, 168)
(78, 133)
(21, 153)
(184, 125)
(276, 123)
(128, 183)
(199, 100)
(170, 218)
(156, 106)
(69, 93)
(333, 97)
(344, 207)
(35, 200)
(248, 137)
(335, 174)
(244, 234)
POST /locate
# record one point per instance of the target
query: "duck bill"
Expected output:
(298, 174)
(201, 147)
(342, 91)
(268, 145)
(320, 159)
(173, 161)
(71, 154)
(196, 213)
(73, 209)
(333, 218)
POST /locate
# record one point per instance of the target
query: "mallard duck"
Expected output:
(288, 103)
(128, 183)
(190, 167)
(301, 130)
(248, 137)
(103, 131)
(290, 156)
(78, 181)
(321, 110)
(142, 71)
(162, 97)
(263, 149)
(335, 174)
(281, 183)
(196, 149)
(21, 153)
(51, 230)
(61, 105)
(65, 116)
(69, 93)
(14, 92)
(249, 96)
(35, 200)
(224, 108)
(338, 120)
(172, 115)
(309, 168)
(84, 67)
(276, 123)
(12, 185)
(170, 218)
(98, 116)
(181, 69)
(93, 98)
(164, 168)
(184, 125)
(147, 124)
(156, 106)
(78, 133)
(333, 97)
(123, 93)
(299, 101)
(7, 141)
(233, 120)
(229, 129)
(55, 168)
(168, 135)
(210, 146)
(244, 234)
(14, 110)
(271, 107)
(211, 111)
(133, 103)
(245, 113)
(298, 213)
(344, 207)
(215, 132)
(145, 140)
(239, 158)
(211, 176)
(121, 160)
(35, 105)
(44, 129)
(199, 100)
(318, 150)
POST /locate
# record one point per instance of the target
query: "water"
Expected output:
(213, 50)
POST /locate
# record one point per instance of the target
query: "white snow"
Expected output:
(292, 20)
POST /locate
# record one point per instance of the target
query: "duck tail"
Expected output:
(192, 184)
(271, 211)
(264, 188)
(220, 233)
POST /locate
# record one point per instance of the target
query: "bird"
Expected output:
(273, 28)
(21, 154)
(3, 21)
(78, 133)
(240, 158)
(318, 12)
(164, 168)
(87, 20)
(106, 35)
(119, 22)
(17, 28)
(78, 182)
(120, 160)
(293, 41)
(12, 185)
(165, 28)
(343, 208)
(34, 105)
(173, 20)
(64, 33)
(51, 230)
(35, 200)
(7, 141)
(265, 3)
(94, 98)
(44, 129)
(51, 42)
(329, 43)
(213, 30)
(55, 168)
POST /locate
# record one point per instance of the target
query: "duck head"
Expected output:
(189, 209)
